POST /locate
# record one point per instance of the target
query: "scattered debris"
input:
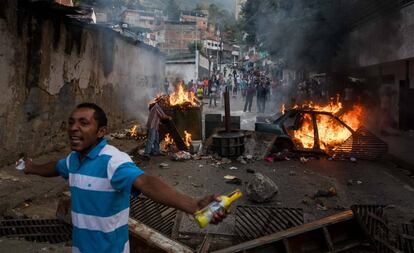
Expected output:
(181, 156)
(250, 171)
(331, 192)
(225, 160)
(241, 160)
(233, 168)
(261, 188)
(232, 179)
(353, 181)
(164, 165)
(321, 207)
(269, 159)
(141, 152)
(5, 176)
(200, 166)
(197, 185)
(20, 165)
(236, 181)
(281, 156)
(303, 159)
(389, 207)
(353, 159)
(229, 177)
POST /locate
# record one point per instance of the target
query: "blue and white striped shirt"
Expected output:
(100, 187)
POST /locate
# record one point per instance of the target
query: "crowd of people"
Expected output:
(240, 84)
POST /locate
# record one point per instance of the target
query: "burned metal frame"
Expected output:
(361, 144)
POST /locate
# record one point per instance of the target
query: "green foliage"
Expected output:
(192, 46)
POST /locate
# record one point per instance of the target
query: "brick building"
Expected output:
(175, 36)
(141, 18)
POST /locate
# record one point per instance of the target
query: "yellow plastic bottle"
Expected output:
(204, 216)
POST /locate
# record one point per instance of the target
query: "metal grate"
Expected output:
(39, 230)
(372, 221)
(362, 145)
(157, 216)
(406, 238)
(256, 221)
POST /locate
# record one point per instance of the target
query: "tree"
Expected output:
(192, 47)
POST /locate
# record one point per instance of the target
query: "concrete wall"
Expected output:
(379, 51)
(385, 39)
(48, 64)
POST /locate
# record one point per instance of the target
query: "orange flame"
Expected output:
(282, 109)
(180, 97)
(168, 141)
(133, 131)
(187, 139)
(331, 132)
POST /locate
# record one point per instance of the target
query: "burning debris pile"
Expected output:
(333, 129)
(179, 98)
(331, 132)
(168, 144)
(136, 132)
(185, 110)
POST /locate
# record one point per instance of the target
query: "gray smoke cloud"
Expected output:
(309, 35)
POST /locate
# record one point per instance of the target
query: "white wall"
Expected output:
(183, 71)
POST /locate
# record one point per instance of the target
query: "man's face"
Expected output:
(83, 130)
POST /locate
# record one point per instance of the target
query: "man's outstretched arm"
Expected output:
(44, 170)
(159, 191)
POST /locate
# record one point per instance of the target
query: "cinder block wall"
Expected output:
(49, 63)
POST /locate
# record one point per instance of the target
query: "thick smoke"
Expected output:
(309, 35)
(306, 34)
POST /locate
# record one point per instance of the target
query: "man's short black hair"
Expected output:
(99, 114)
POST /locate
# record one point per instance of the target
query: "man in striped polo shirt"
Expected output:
(101, 179)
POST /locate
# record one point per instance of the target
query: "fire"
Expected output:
(181, 97)
(187, 139)
(168, 142)
(133, 131)
(331, 132)
(306, 133)
(282, 109)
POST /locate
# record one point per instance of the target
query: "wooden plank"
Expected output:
(154, 239)
(269, 239)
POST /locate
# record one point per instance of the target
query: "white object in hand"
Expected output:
(20, 164)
